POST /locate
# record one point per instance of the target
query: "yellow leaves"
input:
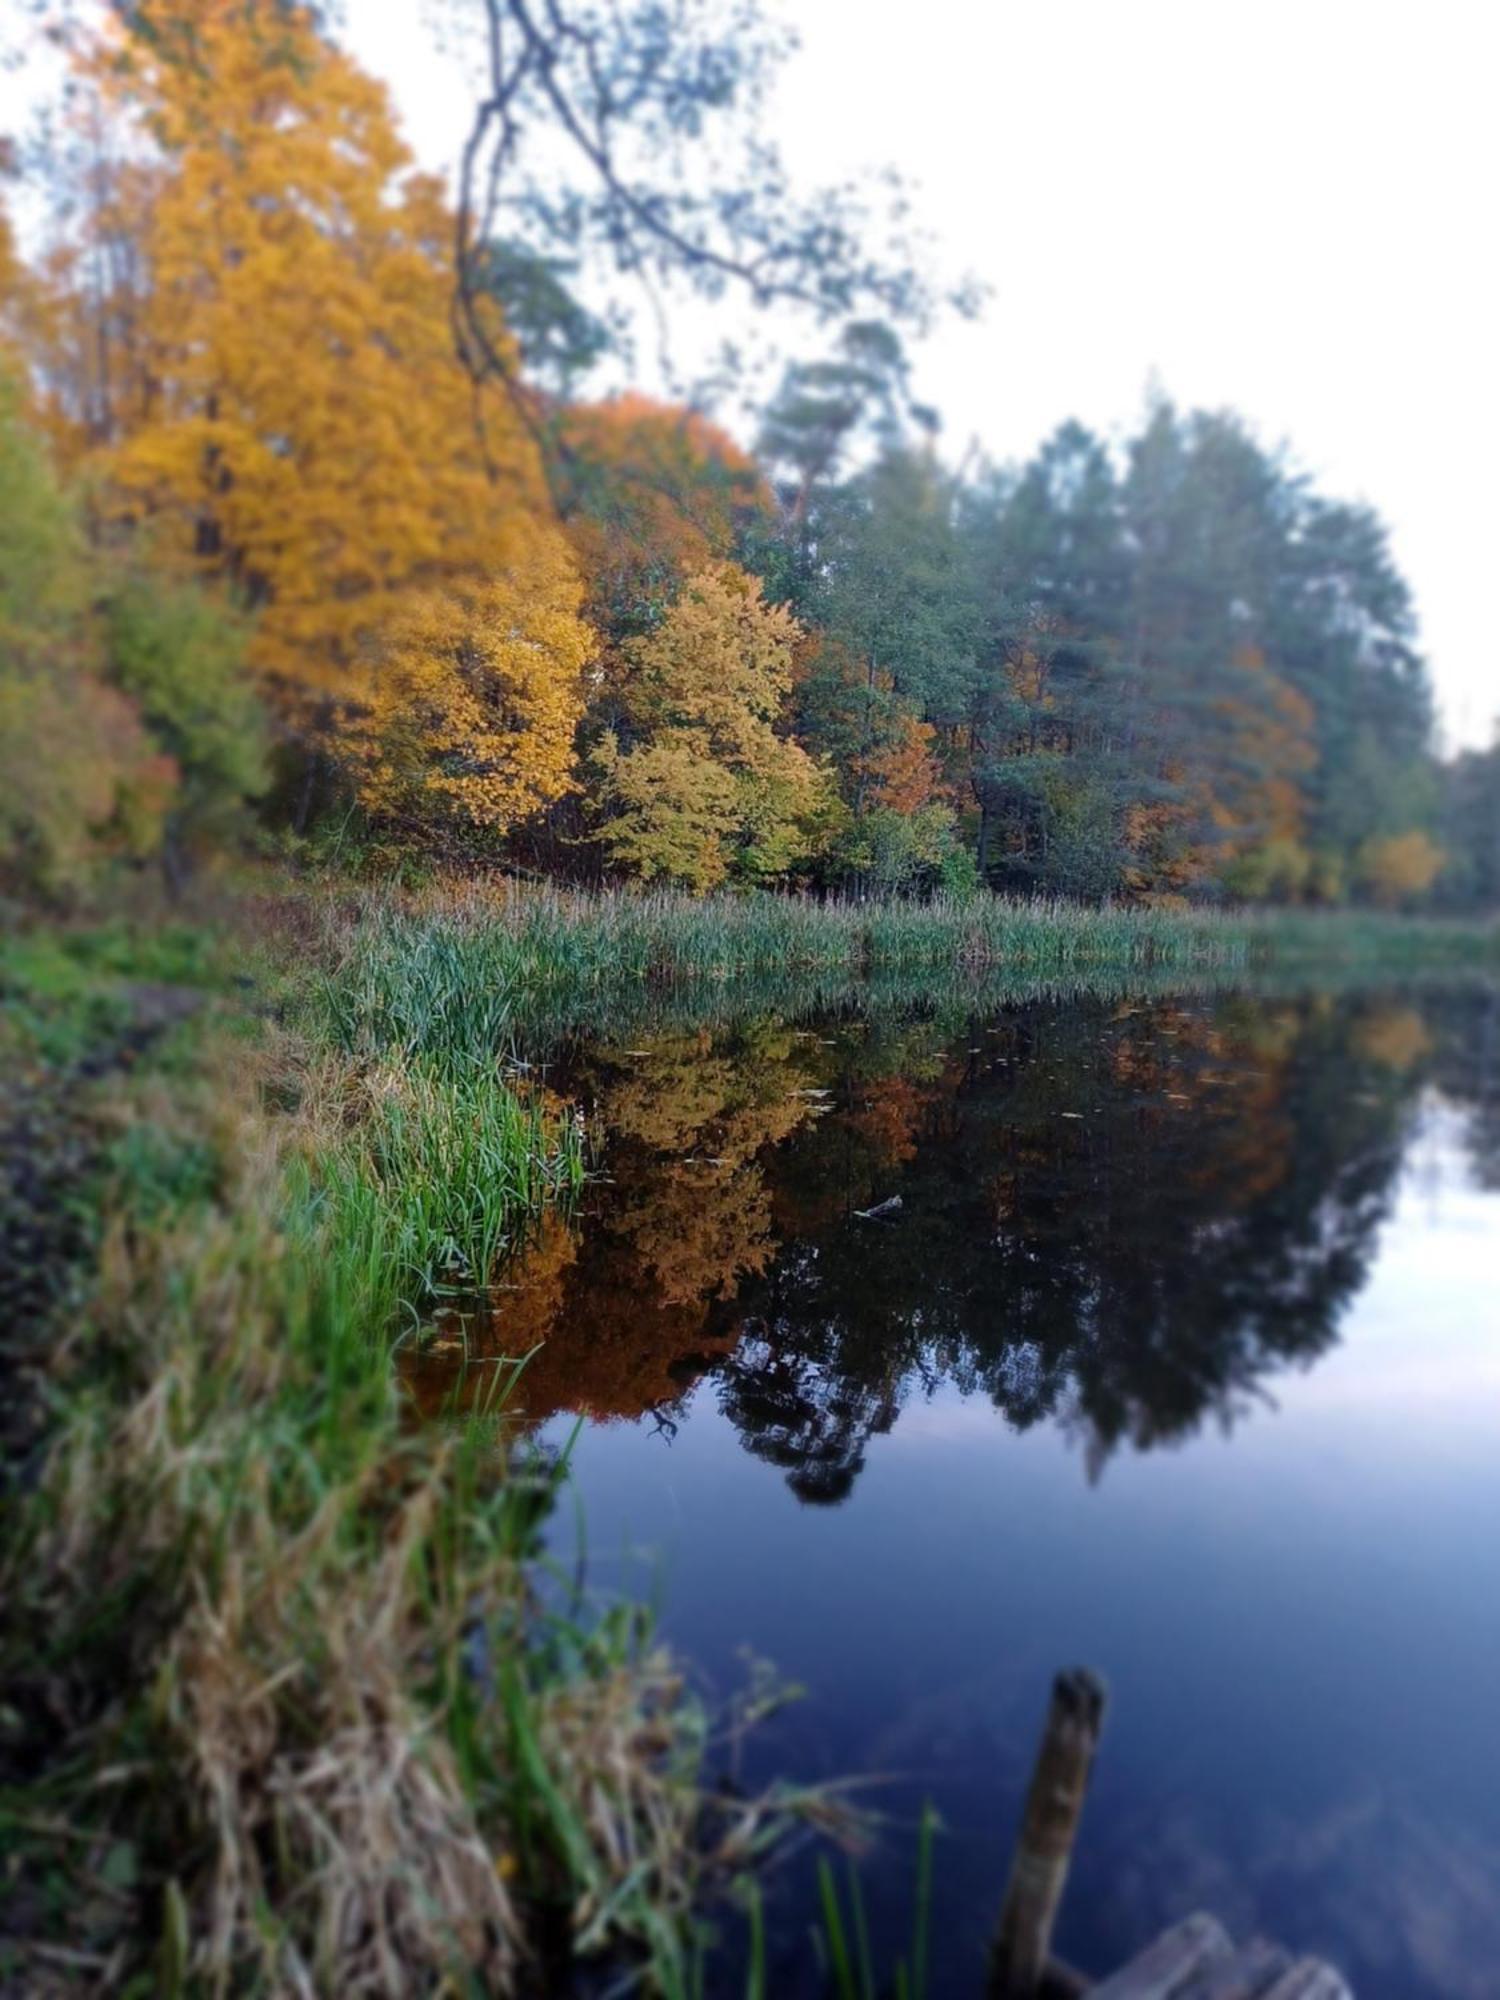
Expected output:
(472, 706)
(289, 416)
(722, 656)
(1396, 1038)
(711, 790)
(1275, 870)
(673, 811)
(1400, 868)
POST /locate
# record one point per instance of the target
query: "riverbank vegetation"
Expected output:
(273, 539)
(395, 674)
(470, 969)
(288, 1702)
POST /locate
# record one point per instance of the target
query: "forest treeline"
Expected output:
(280, 564)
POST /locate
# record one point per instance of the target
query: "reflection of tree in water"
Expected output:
(1122, 1216)
(1127, 1217)
(623, 1309)
(1468, 1069)
(811, 1419)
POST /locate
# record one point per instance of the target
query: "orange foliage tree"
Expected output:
(270, 386)
(658, 492)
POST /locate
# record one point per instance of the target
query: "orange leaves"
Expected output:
(289, 417)
(902, 771)
(662, 492)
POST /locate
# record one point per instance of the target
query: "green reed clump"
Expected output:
(1289, 939)
(429, 1186)
(456, 979)
(460, 977)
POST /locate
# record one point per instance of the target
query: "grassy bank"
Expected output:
(416, 955)
(284, 1710)
(456, 975)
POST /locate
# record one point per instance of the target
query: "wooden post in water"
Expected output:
(1023, 1939)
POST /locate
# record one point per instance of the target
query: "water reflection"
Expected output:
(1127, 1216)
(888, 1280)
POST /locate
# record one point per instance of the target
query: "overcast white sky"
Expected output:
(1288, 207)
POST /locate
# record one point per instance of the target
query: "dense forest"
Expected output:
(311, 542)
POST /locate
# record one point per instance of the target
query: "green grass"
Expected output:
(843, 1939)
(63, 992)
(430, 1186)
(1288, 940)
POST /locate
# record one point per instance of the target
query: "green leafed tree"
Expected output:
(180, 657)
(1470, 829)
(80, 778)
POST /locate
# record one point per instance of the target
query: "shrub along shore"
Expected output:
(285, 1708)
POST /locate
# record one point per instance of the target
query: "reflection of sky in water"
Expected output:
(1421, 1350)
(1301, 1626)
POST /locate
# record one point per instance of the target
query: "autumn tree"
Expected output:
(473, 702)
(704, 788)
(1400, 868)
(288, 418)
(656, 492)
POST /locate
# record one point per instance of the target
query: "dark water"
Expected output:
(1180, 1358)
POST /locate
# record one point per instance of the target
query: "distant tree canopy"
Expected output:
(1195, 672)
(321, 467)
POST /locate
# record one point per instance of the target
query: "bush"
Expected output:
(180, 657)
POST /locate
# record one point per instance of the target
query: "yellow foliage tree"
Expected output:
(1400, 868)
(473, 708)
(288, 413)
(710, 790)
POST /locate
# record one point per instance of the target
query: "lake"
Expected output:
(927, 1347)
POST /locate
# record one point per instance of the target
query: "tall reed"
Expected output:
(460, 979)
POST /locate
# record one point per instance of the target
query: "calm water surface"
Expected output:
(1180, 1358)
